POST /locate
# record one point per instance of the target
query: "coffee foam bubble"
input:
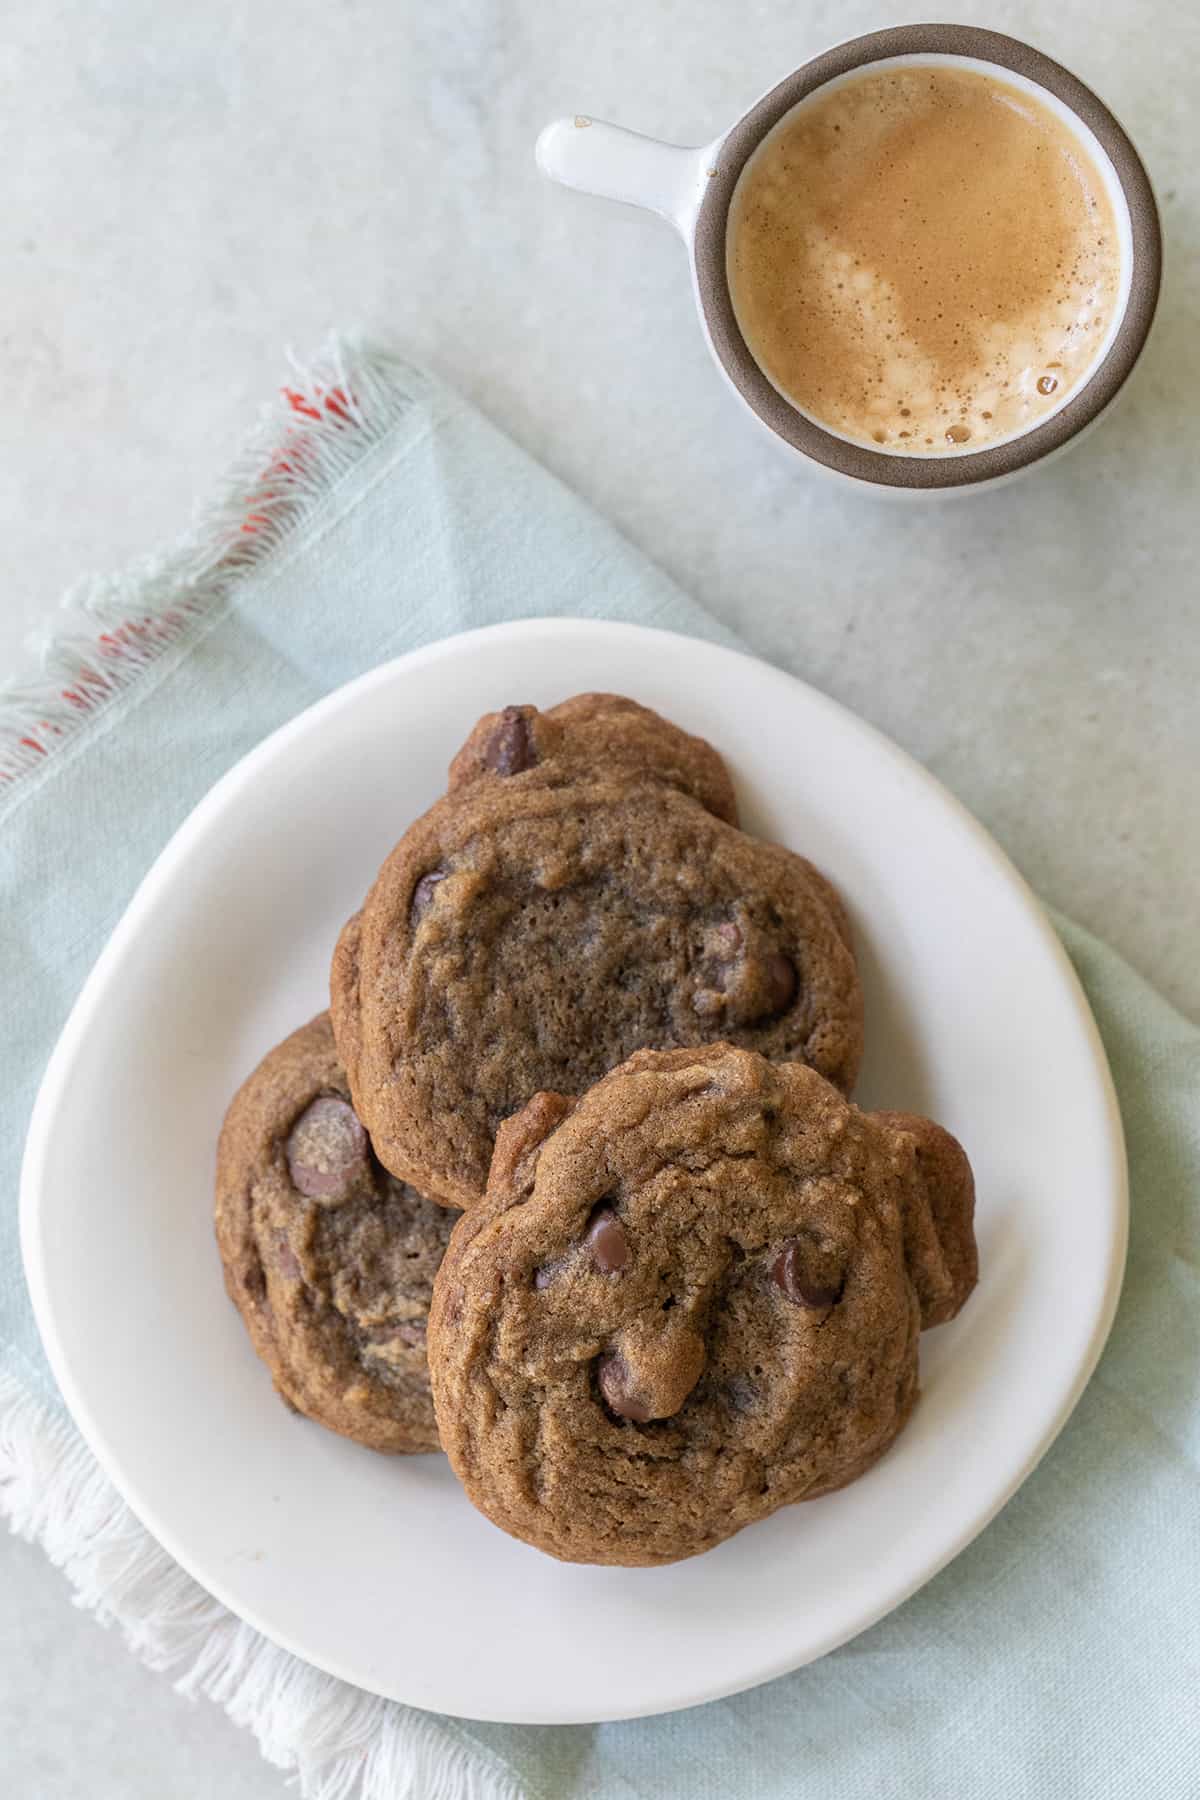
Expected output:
(923, 261)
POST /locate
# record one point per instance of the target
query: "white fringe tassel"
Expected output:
(313, 434)
(343, 1744)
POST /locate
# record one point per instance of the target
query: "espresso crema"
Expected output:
(924, 259)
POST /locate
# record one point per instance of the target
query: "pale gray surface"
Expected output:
(81, 1720)
(188, 189)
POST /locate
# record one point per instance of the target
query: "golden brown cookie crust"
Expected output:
(689, 1299)
(333, 1284)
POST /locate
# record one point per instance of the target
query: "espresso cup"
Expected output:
(694, 189)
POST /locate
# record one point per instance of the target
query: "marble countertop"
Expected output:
(189, 190)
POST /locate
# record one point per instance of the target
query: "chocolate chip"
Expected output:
(510, 748)
(607, 1241)
(616, 1387)
(797, 1284)
(254, 1281)
(422, 898)
(743, 978)
(328, 1154)
(779, 974)
(651, 1368)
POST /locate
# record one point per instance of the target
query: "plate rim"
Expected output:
(161, 871)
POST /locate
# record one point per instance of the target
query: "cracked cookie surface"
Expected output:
(578, 894)
(329, 1259)
(689, 1299)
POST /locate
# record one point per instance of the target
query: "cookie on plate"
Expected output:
(591, 732)
(689, 1299)
(578, 894)
(329, 1259)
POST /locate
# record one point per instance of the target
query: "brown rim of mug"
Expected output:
(855, 460)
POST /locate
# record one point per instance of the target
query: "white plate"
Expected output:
(375, 1568)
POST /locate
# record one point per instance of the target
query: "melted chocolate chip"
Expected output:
(616, 1386)
(328, 1154)
(422, 898)
(779, 974)
(607, 1241)
(651, 1368)
(796, 1282)
(510, 748)
(742, 976)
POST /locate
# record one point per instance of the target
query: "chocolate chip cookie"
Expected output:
(579, 893)
(329, 1259)
(689, 1299)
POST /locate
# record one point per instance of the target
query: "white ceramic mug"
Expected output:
(693, 188)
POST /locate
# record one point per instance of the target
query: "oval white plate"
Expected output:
(377, 1569)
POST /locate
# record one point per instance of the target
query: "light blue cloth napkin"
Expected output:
(1058, 1656)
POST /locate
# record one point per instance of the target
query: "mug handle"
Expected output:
(598, 158)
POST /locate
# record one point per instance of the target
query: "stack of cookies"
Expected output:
(568, 1179)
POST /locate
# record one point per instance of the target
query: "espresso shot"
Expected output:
(924, 259)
